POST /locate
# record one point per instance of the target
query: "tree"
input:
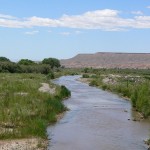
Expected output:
(53, 62)
(26, 62)
(4, 59)
(9, 67)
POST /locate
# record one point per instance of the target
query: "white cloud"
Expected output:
(137, 12)
(107, 20)
(7, 16)
(31, 32)
(65, 33)
(148, 6)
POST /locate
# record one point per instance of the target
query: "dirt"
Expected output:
(46, 88)
(23, 144)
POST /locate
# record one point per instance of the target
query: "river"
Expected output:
(97, 120)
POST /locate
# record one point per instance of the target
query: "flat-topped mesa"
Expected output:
(109, 60)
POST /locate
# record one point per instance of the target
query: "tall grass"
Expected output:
(24, 111)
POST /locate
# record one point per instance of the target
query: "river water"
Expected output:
(97, 120)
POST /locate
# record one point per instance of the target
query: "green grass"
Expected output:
(24, 111)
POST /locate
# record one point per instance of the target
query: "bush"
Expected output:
(4, 59)
(9, 67)
(50, 75)
(53, 62)
(26, 62)
(85, 76)
(104, 86)
(64, 92)
(93, 83)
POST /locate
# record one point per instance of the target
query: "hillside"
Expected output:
(109, 60)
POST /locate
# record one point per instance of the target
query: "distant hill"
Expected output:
(109, 60)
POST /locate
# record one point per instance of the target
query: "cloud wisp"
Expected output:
(107, 20)
(31, 32)
(148, 7)
(137, 12)
(65, 33)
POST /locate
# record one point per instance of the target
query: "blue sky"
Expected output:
(37, 29)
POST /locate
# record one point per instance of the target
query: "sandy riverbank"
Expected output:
(24, 144)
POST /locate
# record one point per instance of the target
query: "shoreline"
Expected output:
(137, 116)
(24, 144)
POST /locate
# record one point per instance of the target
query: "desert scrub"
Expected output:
(24, 111)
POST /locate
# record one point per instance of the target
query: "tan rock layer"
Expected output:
(109, 60)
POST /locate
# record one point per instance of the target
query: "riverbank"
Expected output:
(28, 104)
(98, 117)
(134, 88)
(24, 144)
(137, 115)
(131, 86)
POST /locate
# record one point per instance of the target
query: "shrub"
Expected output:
(26, 62)
(85, 76)
(93, 83)
(64, 92)
(53, 62)
(50, 75)
(104, 86)
(4, 59)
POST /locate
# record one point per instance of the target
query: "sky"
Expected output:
(38, 29)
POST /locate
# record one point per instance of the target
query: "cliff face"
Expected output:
(109, 60)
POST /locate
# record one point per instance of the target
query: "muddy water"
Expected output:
(97, 120)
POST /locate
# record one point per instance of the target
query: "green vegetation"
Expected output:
(24, 110)
(26, 62)
(53, 62)
(29, 66)
(85, 76)
(4, 59)
(132, 84)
